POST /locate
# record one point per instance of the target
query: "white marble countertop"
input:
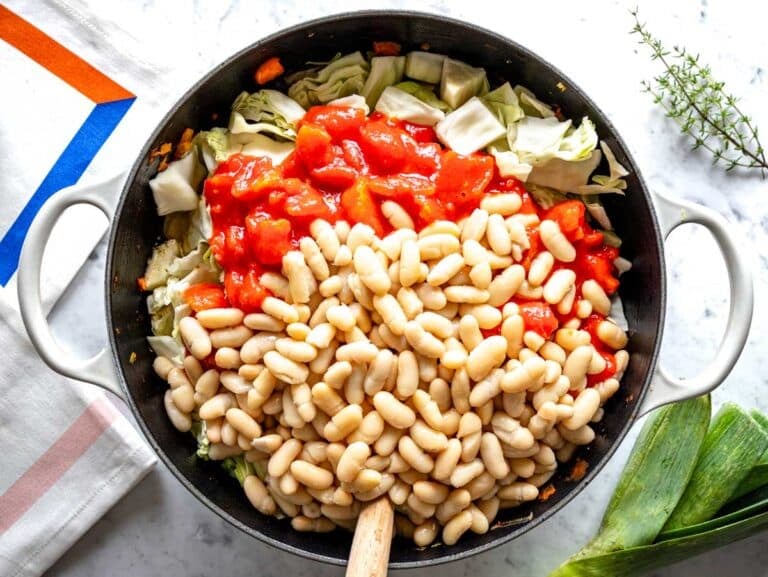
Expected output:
(159, 528)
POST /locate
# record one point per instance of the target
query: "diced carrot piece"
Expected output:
(269, 70)
(385, 48)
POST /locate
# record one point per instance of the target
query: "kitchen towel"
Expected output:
(78, 101)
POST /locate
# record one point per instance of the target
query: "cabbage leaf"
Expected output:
(341, 77)
(397, 103)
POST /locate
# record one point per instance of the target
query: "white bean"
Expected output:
(195, 337)
(220, 318)
(555, 242)
(505, 285)
(486, 356)
(503, 204)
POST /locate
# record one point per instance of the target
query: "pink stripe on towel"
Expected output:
(56, 461)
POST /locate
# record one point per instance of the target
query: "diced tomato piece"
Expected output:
(298, 199)
(507, 184)
(401, 185)
(313, 146)
(421, 134)
(430, 209)
(269, 238)
(353, 156)
(425, 159)
(292, 167)
(463, 179)
(592, 240)
(528, 206)
(607, 372)
(569, 215)
(359, 206)
(384, 146)
(386, 48)
(255, 179)
(229, 246)
(244, 290)
(534, 240)
(335, 176)
(538, 317)
(341, 122)
(202, 296)
(599, 266)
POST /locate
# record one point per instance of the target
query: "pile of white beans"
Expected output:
(367, 373)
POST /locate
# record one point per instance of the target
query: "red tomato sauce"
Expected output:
(344, 166)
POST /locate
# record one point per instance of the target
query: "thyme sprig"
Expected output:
(705, 112)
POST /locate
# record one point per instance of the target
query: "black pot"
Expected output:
(136, 229)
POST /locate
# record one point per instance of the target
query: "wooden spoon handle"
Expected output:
(369, 555)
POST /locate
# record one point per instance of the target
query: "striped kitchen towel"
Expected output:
(77, 103)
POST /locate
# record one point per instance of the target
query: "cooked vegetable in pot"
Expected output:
(368, 298)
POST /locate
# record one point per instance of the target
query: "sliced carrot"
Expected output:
(142, 282)
(185, 143)
(269, 70)
(386, 48)
(547, 493)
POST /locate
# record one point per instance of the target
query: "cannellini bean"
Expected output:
(162, 367)
(486, 356)
(457, 501)
(577, 364)
(447, 460)
(456, 527)
(391, 313)
(481, 275)
(258, 495)
(337, 374)
(503, 204)
(425, 533)
(581, 436)
(410, 302)
(370, 429)
(498, 235)
(321, 336)
(195, 337)
(606, 389)
(465, 472)
(267, 443)
(298, 351)
(558, 285)
(505, 285)
(326, 238)
(220, 318)
(519, 491)
(612, 335)
(285, 369)
(407, 375)
(301, 281)
(281, 459)
(243, 423)
(428, 409)
(437, 246)
(430, 492)
(469, 332)
(394, 412)
(493, 456)
(280, 310)
(569, 338)
(378, 371)
(540, 268)
(466, 294)
(414, 456)
(216, 406)
(584, 408)
(262, 389)
(446, 268)
(319, 525)
(343, 423)
(524, 376)
(228, 358)
(314, 258)
(511, 433)
(440, 227)
(359, 352)
(182, 421)
(396, 215)
(326, 399)
(595, 294)
(436, 324)
(422, 341)
(475, 226)
(409, 263)
(427, 438)
(341, 317)
(555, 242)
(370, 270)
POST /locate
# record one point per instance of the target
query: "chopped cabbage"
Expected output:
(424, 66)
(504, 103)
(265, 111)
(396, 103)
(341, 77)
(537, 140)
(174, 188)
(507, 162)
(200, 228)
(613, 183)
(564, 175)
(353, 101)
(385, 71)
(260, 145)
(168, 347)
(158, 265)
(423, 92)
(531, 105)
(469, 128)
(459, 82)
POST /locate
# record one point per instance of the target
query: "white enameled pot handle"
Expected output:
(665, 388)
(99, 369)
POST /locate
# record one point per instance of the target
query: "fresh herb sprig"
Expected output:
(705, 112)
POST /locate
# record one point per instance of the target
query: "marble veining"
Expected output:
(161, 529)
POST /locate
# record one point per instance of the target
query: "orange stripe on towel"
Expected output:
(58, 60)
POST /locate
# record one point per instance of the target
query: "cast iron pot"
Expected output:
(136, 228)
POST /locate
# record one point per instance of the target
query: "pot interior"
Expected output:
(137, 228)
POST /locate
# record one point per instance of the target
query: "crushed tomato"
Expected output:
(344, 166)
